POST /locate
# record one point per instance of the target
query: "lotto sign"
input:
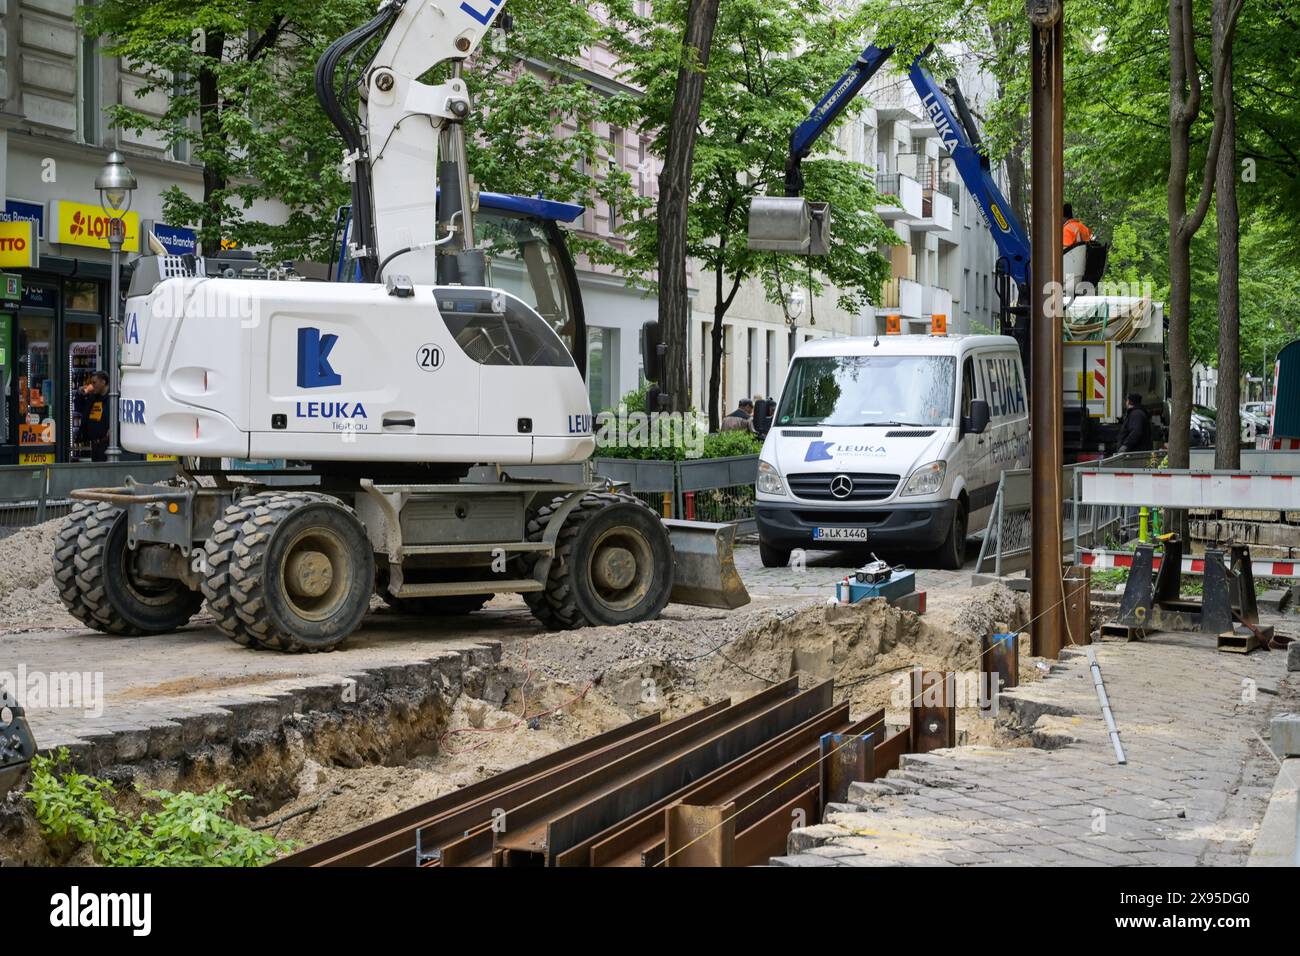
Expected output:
(80, 224)
(18, 249)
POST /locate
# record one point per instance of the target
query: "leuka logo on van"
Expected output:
(830, 450)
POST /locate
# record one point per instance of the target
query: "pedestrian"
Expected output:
(740, 420)
(1135, 429)
(91, 402)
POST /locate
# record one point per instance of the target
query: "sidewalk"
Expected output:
(1193, 791)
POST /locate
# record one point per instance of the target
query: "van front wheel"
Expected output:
(952, 553)
(773, 557)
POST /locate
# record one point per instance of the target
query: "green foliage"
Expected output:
(771, 61)
(185, 829)
(261, 136)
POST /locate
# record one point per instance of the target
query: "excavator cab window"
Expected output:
(494, 328)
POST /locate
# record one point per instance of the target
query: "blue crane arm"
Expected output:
(827, 110)
(973, 167)
(1008, 233)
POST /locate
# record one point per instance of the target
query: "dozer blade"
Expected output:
(16, 742)
(705, 572)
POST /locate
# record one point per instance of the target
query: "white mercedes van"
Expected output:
(895, 443)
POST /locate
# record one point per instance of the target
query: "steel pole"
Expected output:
(1047, 606)
(116, 228)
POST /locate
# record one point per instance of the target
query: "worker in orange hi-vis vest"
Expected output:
(1074, 231)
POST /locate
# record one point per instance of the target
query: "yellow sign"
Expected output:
(18, 249)
(1001, 219)
(34, 458)
(80, 224)
(152, 457)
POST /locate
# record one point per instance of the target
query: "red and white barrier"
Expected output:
(1101, 559)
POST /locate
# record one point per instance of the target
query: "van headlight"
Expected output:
(927, 479)
(769, 480)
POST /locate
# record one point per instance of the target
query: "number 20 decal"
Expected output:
(429, 357)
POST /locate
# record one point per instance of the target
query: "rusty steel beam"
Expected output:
(532, 813)
(754, 845)
(589, 817)
(700, 836)
(378, 842)
(756, 786)
(1047, 612)
(630, 837)
(1000, 662)
(846, 759)
(890, 751)
(934, 710)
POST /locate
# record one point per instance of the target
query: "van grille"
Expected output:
(801, 433)
(842, 517)
(913, 433)
(866, 487)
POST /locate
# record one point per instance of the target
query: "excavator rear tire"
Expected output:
(300, 572)
(613, 564)
(105, 592)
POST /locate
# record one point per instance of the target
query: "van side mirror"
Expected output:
(978, 419)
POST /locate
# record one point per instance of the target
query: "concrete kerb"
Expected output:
(1276, 843)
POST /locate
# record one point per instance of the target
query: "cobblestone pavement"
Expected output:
(1192, 792)
(816, 574)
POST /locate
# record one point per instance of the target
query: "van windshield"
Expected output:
(869, 390)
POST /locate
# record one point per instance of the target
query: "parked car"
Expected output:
(1203, 430)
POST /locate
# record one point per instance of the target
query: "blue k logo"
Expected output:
(819, 451)
(314, 369)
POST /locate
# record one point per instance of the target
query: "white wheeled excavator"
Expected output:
(409, 395)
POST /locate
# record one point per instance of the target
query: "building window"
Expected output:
(751, 361)
(770, 379)
(88, 92)
(965, 290)
(602, 359)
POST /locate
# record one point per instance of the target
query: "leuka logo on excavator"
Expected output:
(314, 369)
(940, 121)
(482, 17)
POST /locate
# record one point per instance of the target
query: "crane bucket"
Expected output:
(789, 224)
(705, 568)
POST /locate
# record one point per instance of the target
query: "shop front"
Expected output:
(53, 327)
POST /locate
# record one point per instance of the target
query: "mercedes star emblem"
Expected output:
(841, 486)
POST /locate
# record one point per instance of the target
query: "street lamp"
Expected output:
(115, 183)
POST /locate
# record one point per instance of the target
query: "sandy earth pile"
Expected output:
(27, 596)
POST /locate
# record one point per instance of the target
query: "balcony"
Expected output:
(903, 193)
(936, 213)
(895, 101)
(902, 296)
(936, 299)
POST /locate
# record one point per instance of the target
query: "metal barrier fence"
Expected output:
(705, 489)
(31, 494)
(1005, 547)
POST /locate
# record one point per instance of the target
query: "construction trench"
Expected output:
(696, 689)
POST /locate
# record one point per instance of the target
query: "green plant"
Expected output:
(185, 829)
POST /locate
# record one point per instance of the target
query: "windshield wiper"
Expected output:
(893, 424)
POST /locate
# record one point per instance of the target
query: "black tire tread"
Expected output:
(556, 607)
(65, 564)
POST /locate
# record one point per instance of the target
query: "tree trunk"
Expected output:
(214, 181)
(1184, 106)
(1227, 445)
(674, 198)
(715, 368)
